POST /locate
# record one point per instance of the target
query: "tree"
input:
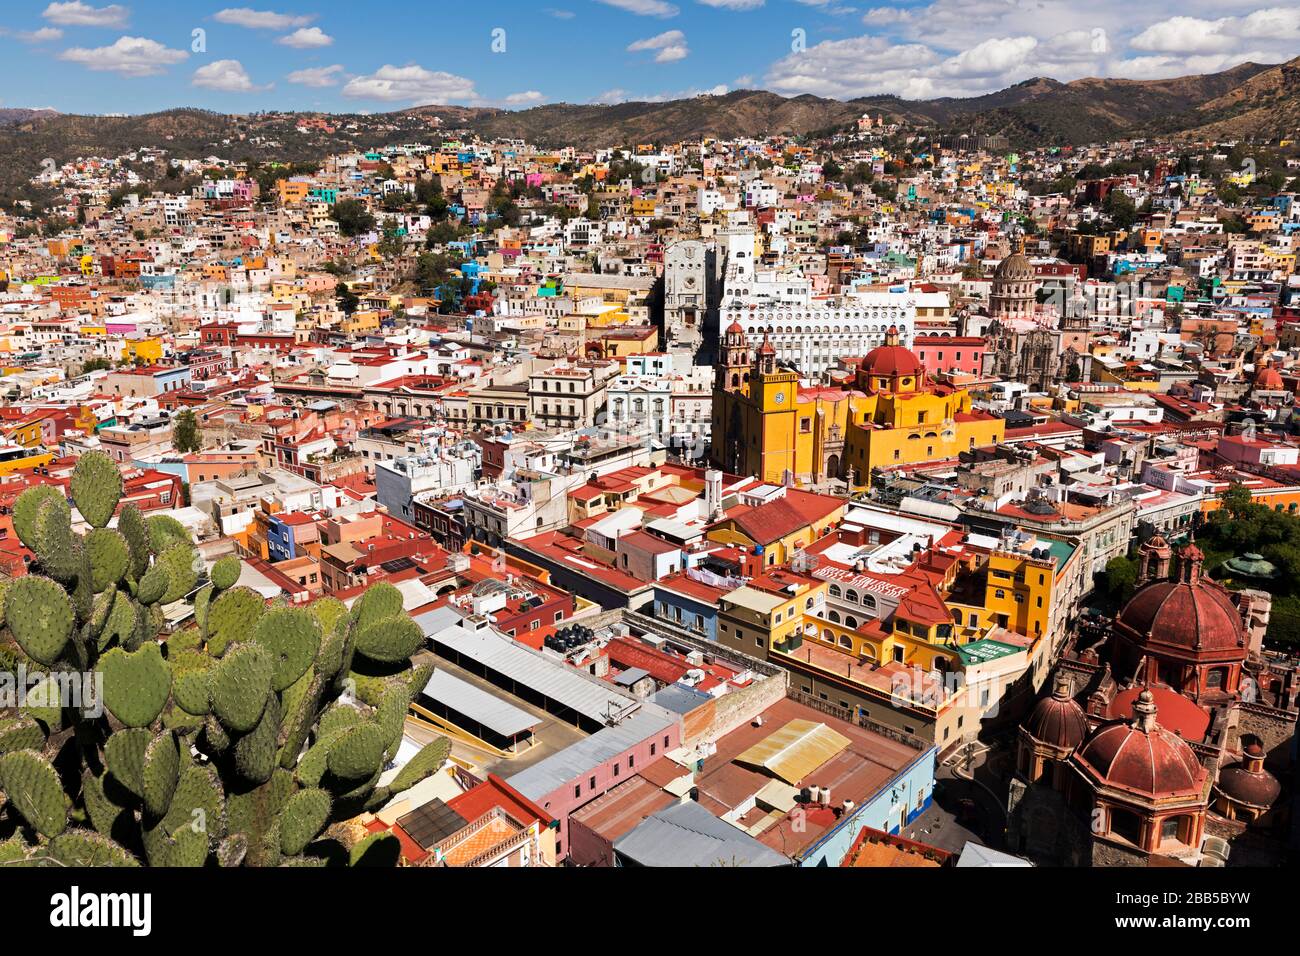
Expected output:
(1121, 579)
(185, 432)
(348, 300)
(237, 741)
(1236, 499)
(353, 217)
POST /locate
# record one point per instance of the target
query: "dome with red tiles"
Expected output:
(1141, 757)
(1268, 379)
(891, 360)
(1249, 783)
(1190, 616)
(1058, 720)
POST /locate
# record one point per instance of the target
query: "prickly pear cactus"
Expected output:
(236, 742)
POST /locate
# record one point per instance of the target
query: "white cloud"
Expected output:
(1184, 35)
(993, 57)
(1195, 35)
(307, 38)
(1160, 66)
(644, 8)
(229, 76)
(318, 76)
(78, 14)
(733, 4)
(129, 56)
(521, 99)
(669, 47)
(42, 35)
(261, 19)
(411, 84)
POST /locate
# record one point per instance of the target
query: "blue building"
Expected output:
(673, 605)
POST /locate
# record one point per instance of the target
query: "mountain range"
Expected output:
(1248, 101)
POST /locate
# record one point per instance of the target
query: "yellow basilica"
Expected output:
(765, 425)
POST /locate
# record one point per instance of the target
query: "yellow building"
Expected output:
(1013, 590)
(15, 458)
(754, 618)
(766, 426)
(779, 527)
(145, 351)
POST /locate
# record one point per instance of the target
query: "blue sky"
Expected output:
(132, 56)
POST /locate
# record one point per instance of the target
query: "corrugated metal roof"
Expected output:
(487, 709)
(592, 698)
(689, 835)
(578, 760)
(796, 750)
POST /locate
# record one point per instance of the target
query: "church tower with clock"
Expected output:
(754, 411)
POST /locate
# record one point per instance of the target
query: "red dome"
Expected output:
(1058, 721)
(1269, 379)
(1255, 788)
(891, 359)
(1141, 756)
(1190, 617)
(735, 329)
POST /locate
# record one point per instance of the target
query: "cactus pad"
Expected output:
(164, 531)
(27, 506)
(78, 848)
(34, 790)
(153, 585)
(327, 611)
(293, 638)
(162, 768)
(124, 756)
(136, 684)
(20, 733)
(304, 816)
(225, 573)
(255, 751)
(110, 556)
(240, 686)
(40, 616)
(131, 524)
(358, 752)
(391, 640)
(182, 563)
(121, 623)
(232, 617)
(190, 688)
(381, 601)
(424, 764)
(198, 803)
(96, 488)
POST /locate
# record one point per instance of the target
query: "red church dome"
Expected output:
(1058, 721)
(1248, 782)
(891, 359)
(1195, 617)
(1141, 756)
(1188, 617)
(1268, 379)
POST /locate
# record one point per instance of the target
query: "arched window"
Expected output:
(835, 591)
(845, 642)
(851, 596)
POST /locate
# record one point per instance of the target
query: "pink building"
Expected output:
(572, 778)
(951, 353)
